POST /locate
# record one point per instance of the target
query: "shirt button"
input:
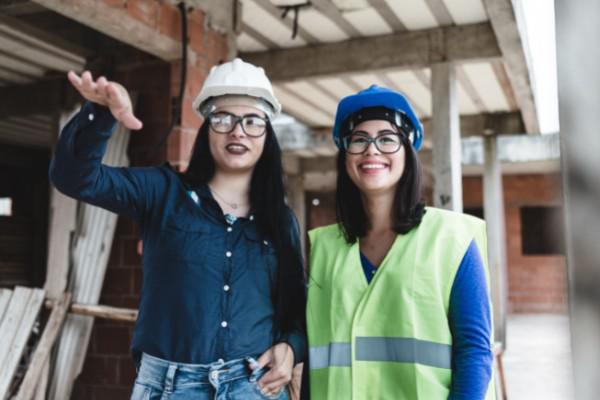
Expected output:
(265, 242)
(226, 288)
(229, 229)
(224, 324)
(251, 217)
(228, 254)
(91, 117)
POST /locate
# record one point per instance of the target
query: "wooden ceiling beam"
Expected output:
(409, 50)
(504, 23)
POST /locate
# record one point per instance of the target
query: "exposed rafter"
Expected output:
(328, 8)
(415, 49)
(503, 20)
(388, 15)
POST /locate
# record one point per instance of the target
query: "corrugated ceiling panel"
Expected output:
(466, 11)
(366, 80)
(320, 26)
(306, 91)
(483, 78)
(414, 14)
(269, 26)
(414, 88)
(299, 109)
(336, 86)
(368, 22)
(465, 104)
(247, 43)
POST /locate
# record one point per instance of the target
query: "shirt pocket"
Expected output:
(186, 240)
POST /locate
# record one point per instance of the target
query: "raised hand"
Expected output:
(106, 93)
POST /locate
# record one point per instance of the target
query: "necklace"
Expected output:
(232, 205)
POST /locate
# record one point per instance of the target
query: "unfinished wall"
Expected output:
(537, 283)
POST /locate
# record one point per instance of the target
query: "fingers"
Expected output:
(265, 359)
(272, 382)
(86, 86)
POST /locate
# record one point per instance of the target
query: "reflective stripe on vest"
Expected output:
(403, 350)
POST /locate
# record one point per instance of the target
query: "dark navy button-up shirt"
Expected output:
(208, 284)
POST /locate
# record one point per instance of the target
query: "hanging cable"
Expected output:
(177, 108)
(296, 9)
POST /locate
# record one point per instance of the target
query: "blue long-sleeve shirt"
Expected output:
(469, 318)
(208, 281)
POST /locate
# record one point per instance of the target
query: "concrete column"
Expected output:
(297, 201)
(447, 186)
(493, 206)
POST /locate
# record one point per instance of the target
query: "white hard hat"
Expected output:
(236, 78)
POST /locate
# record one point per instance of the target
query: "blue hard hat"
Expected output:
(377, 96)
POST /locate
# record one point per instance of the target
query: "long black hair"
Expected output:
(408, 207)
(274, 219)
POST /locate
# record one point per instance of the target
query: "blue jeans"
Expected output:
(159, 379)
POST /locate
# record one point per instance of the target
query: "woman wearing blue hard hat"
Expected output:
(398, 304)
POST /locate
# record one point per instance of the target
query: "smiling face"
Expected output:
(236, 152)
(374, 172)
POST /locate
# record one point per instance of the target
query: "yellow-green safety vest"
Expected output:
(389, 339)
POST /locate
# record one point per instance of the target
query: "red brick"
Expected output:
(115, 3)
(138, 280)
(127, 372)
(131, 257)
(111, 340)
(118, 281)
(112, 392)
(197, 38)
(169, 21)
(145, 11)
(99, 370)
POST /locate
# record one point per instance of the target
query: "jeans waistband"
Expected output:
(167, 375)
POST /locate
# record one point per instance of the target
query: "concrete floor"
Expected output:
(537, 361)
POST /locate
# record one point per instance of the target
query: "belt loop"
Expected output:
(170, 378)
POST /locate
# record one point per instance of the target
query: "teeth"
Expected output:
(236, 147)
(372, 166)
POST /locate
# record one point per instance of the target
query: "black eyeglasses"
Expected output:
(358, 142)
(224, 122)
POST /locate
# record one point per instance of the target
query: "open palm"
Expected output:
(106, 93)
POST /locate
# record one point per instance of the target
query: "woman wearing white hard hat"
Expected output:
(221, 313)
(398, 303)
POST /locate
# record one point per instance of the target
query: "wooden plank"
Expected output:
(15, 330)
(42, 351)
(100, 311)
(90, 258)
(409, 50)
(62, 224)
(504, 23)
(5, 295)
(11, 320)
(117, 23)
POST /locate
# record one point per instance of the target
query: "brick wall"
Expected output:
(536, 283)
(108, 371)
